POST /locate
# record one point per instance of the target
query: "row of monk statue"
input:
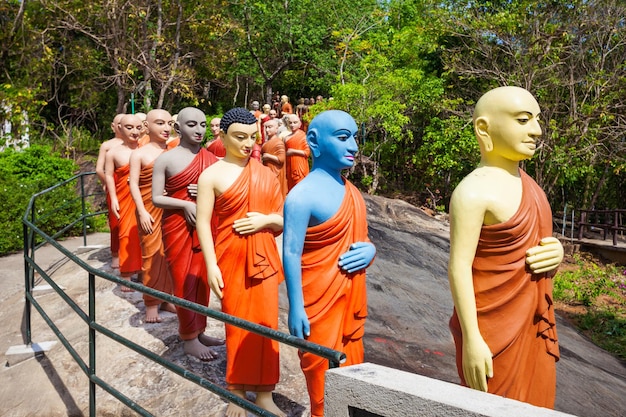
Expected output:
(188, 219)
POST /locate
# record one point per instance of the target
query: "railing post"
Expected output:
(82, 200)
(92, 345)
(581, 226)
(28, 272)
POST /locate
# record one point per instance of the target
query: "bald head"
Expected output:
(115, 124)
(158, 124)
(506, 124)
(501, 99)
(130, 127)
(191, 125)
(271, 128)
(293, 122)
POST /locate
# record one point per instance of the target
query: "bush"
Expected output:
(27, 172)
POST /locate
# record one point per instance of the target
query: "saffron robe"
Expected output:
(252, 270)
(335, 301)
(296, 166)
(156, 275)
(275, 146)
(130, 248)
(182, 249)
(515, 309)
(217, 148)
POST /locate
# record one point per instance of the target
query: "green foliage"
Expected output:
(601, 291)
(25, 173)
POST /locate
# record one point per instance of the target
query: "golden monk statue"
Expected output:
(503, 257)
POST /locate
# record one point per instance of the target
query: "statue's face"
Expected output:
(191, 124)
(239, 140)
(271, 127)
(294, 122)
(337, 141)
(215, 127)
(159, 124)
(130, 128)
(514, 126)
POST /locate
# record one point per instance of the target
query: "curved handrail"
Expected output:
(31, 230)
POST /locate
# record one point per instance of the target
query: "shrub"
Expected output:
(27, 172)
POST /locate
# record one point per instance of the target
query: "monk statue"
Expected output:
(173, 173)
(502, 259)
(117, 171)
(297, 152)
(273, 153)
(114, 227)
(156, 274)
(326, 251)
(242, 259)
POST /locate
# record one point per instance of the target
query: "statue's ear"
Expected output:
(481, 128)
(312, 138)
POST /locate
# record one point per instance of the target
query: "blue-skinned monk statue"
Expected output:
(326, 250)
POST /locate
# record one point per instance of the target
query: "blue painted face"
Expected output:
(336, 142)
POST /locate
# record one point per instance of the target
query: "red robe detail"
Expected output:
(182, 249)
(296, 166)
(275, 146)
(251, 269)
(130, 249)
(217, 148)
(515, 308)
(335, 301)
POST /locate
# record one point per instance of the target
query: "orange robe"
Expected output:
(217, 148)
(144, 140)
(296, 166)
(130, 248)
(156, 275)
(251, 269)
(286, 108)
(514, 306)
(182, 249)
(335, 301)
(275, 146)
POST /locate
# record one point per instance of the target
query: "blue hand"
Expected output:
(298, 323)
(358, 257)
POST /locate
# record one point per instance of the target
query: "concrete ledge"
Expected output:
(370, 390)
(83, 249)
(20, 353)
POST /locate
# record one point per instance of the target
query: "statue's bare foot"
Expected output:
(210, 341)
(115, 262)
(234, 410)
(152, 314)
(126, 289)
(193, 347)
(168, 307)
(265, 400)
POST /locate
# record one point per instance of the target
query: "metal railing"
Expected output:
(35, 238)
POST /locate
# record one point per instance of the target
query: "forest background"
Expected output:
(409, 71)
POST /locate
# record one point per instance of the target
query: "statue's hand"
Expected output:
(190, 213)
(298, 322)
(115, 207)
(253, 222)
(358, 257)
(477, 363)
(145, 222)
(546, 256)
(192, 189)
(216, 282)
